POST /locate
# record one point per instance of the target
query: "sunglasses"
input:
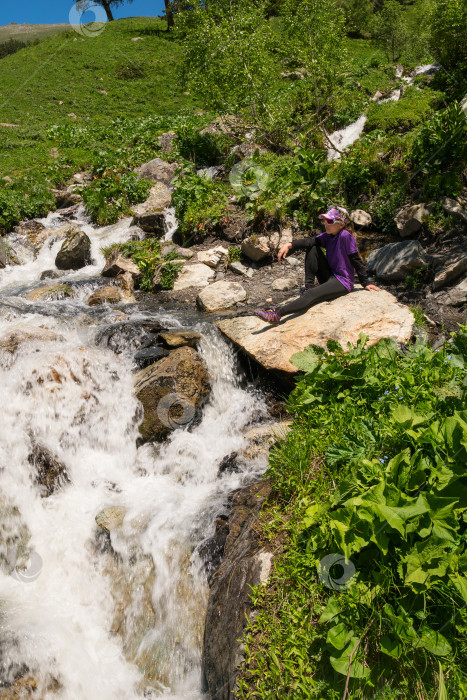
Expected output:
(332, 221)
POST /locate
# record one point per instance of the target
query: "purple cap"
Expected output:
(336, 213)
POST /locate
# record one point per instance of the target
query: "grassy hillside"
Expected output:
(97, 79)
(29, 32)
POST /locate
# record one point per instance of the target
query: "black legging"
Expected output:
(328, 288)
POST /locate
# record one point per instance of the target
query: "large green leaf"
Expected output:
(341, 662)
(391, 647)
(339, 636)
(407, 418)
(434, 642)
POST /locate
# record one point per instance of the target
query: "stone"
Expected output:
(213, 257)
(238, 268)
(451, 206)
(293, 262)
(157, 170)
(171, 392)
(343, 319)
(147, 356)
(50, 291)
(284, 284)
(3, 257)
(245, 564)
(450, 272)
(256, 248)
(51, 274)
(197, 275)
(166, 141)
(105, 295)
(409, 219)
(396, 260)
(127, 287)
(111, 518)
(226, 124)
(65, 198)
(75, 252)
(149, 214)
(10, 343)
(220, 295)
(360, 217)
(50, 473)
(128, 335)
(116, 264)
(184, 253)
(261, 438)
(456, 296)
(177, 339)
(81, 178)
(247, 149)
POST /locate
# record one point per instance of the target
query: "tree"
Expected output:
(358, 15)
(83, 5)
(315, 29)
(448, 33)
(390, 30)
(169, 13)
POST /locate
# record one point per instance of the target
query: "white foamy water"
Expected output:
(119, 616)
(345, 137)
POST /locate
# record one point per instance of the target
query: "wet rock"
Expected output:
(396, 260)
(66, 198)
(2, 253)
(360, 217)
(51, 275)
(105, 295)
(450, 272)
(409, 219)
(30, 686)
(452, 207)
(256, 248)
(50, 473)
(147, 215)
(166, 141)
(220, 295)
(196, 275)
(33, 231)
(244, 565)
(75, 252)
(127, 287)
(111, 518)
(148, 356)
(14, 538)
(214, 257)
(229, 464)
(284, 284)
(343, 319)
(171, 392)
(11, 342)
(157, 170)
(128, 336)
(211, 550)
(116, 264)
(177, 339)
(50, 291)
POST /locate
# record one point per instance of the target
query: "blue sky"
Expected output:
(56, 11)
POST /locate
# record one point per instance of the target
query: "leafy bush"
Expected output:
(109, 197)
(234, 254)
(23, 200)
(169, 274)
(202, 149)
(448, 23)
(200, 203)
(146, 254)
(402, 115)
(373, 473)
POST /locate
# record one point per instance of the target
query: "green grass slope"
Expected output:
(97, 79)
(29, 32)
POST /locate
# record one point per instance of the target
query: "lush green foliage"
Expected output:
(23, 199)
(403, 115)
(146, 254)
(448, 24)
(200, 203)
(372, 472)
(390, 30)
(169, 274)
(107, 198)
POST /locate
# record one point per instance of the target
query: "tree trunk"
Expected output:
(169, 14)
(108, 11)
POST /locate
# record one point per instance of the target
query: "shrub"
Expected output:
(200, 203)
(402, 115)
(107, 198)
(23, 200)
(169, 274)
(146, 254)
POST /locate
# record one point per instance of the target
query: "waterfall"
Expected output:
(93, 613)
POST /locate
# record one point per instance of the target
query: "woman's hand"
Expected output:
(372, 288)
(283, 251)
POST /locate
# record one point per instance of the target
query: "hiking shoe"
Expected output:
(306, 288)
(271, 315)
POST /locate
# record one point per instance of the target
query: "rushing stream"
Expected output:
(92, 616)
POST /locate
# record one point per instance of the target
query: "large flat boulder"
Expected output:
(377, 314)
(157, 170)
(397, 260)
(197, 275)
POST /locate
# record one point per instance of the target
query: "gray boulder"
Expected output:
(409, 219)
(256, 248)
(456, 296)
(149, 214)
(75, 252)
(171, 392)
(396, 260)
(360, 217)
(157, 170)
(50, 473)
(220, 295)
(451, 206)
(116, 264)
(166, 141)
(450, 272)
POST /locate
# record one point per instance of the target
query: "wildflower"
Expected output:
(386, 392)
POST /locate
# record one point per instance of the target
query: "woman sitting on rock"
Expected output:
(335, 270)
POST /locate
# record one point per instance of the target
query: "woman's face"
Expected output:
(333, 228)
